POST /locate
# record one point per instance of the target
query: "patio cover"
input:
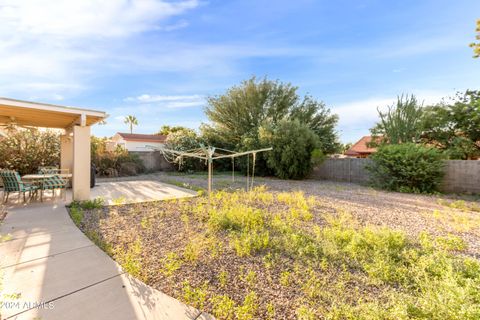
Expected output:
(75, 142)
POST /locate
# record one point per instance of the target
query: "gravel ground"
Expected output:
(167, 228)
(171, 245)
(408, 212)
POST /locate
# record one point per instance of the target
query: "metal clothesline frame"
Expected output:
(209, 154)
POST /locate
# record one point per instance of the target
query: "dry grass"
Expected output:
(285, 255)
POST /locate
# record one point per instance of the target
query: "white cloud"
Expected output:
(161, 98)
(104, 18)
(175, 26)
(355, 113)
(169, 101)
(67, 42)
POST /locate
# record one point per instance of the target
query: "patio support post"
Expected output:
(81, 163)
(66, 152)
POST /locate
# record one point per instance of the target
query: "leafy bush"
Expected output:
(114, 163)
(293, 144)
(407, 168)
(25, 150)
(183, 139)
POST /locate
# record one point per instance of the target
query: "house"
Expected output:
(361, 148)
(136, 141)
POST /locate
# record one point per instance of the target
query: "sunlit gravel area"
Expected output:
(439, 214)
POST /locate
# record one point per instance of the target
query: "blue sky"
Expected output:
(158, 60)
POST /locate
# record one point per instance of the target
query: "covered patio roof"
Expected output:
(74, 142)
(44, 115)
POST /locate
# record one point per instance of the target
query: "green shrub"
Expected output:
(76, 214)
(171, 263)
(25, 150)
(131, 259)
(294, 145)
(195, 296)
(116, 162)
(248, 242)
(236, 218)
(407, 168)
(249, 307)
(223, 307)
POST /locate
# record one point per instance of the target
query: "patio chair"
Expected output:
(12, 182)
(53, 183)
(52, 170)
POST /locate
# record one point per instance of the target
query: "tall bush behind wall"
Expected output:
(407, 167)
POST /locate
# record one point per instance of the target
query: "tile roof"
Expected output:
(361, 147)
(143, 137)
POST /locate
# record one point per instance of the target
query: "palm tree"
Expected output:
(131, 121)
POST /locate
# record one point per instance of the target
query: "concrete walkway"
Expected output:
(51, 270)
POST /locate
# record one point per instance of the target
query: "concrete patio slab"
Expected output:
(138, 191)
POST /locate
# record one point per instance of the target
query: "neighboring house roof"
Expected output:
(143, 137)
(361, 147)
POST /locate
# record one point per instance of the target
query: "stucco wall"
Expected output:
(138, 146)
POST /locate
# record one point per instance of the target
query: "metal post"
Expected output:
(248, 169)
(209, 176)
(254, 155)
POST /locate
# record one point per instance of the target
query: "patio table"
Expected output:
(37, 179)
(44, 176)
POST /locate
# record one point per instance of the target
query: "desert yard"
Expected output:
(299, 249)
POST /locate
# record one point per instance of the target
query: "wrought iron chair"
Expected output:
(53, 183)
(52, 170)
(12, 182)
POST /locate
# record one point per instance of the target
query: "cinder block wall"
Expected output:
(346, 169)
(154, 161)
(462, 176)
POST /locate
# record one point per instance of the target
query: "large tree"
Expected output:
(237, 116)
(317, 117)
(401, 122)
(476, 45)
(454, 125)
